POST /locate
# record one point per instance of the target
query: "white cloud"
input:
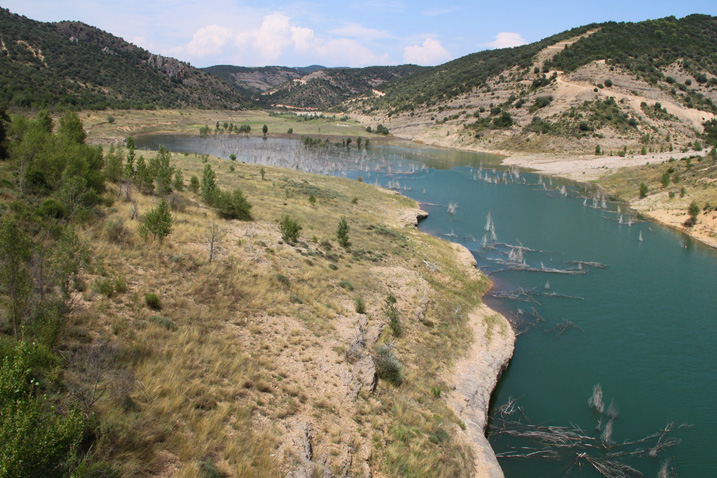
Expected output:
(278, 40)
(209, 40)
(431, 52)
(506, 40)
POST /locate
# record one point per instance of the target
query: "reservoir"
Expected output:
(597, 296)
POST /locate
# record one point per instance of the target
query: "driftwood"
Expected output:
(563, 327)
(577, 447)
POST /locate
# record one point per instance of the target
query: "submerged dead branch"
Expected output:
(577, 447)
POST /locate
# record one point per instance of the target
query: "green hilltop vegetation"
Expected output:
(643, 48)
(460, 76)
(73, 65)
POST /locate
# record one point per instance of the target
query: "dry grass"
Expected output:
(134, 122)
(249, 348)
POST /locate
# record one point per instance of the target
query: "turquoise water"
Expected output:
(644, 325)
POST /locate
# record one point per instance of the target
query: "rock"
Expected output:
(301, 437)
(172, 68)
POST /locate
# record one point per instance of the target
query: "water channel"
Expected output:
(598, 297)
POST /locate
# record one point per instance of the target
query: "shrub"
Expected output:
(608, 82)
(693, 210)
(208, 184)
(360, 305)
(157, 222)
(105, 286)
(392, 313)
(342, 233)
(194, 184)
(152, 301)
(643, 190)
(290, 229)
(233, 205)
(344, 284)
(388, 367)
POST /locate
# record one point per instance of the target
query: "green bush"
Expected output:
(36, 440)
(157, 222)
(105, 286)
(194, 184)
(360, 305)
(342, 233)
(643, 190)
(152, 301)
(344, 284)
(393, 315)
(388, 367)
(232, 205)
(290, 229)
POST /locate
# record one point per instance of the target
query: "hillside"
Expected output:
(616, 86)
(167, 326)
(326, 88)
(73, 64)
(251, 81)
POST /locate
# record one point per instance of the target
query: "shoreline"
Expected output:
(476, 375)
(589, 168)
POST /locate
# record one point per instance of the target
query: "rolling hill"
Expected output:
(600, 87)
(71, 64)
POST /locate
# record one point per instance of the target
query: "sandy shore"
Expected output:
(587, 168)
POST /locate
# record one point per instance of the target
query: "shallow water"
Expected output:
(647, 322)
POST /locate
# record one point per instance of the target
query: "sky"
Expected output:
(340, 32)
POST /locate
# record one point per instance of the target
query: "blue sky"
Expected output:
(340, 33)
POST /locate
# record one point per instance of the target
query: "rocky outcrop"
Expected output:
(172, 68)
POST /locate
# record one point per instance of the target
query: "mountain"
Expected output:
(326, 88)
(73, 64)
(309, 87)
(255, 80)
(613, 85)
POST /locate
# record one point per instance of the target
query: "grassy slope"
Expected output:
(249, 348)
(132, 122)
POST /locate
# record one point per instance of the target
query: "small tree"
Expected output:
(162, 170)
(665, 179)
(214, 234)
(15, 252)
(263, 173)
(693, 210)
(232, 205)
(233, 157)
(392, 314)
(342, 233)
(643, 190)
(194, 184)
(290, 229)
(264, 129)
(178, 180)
(157, 222)
(312, 200)
(143, 177)
(209, 184)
